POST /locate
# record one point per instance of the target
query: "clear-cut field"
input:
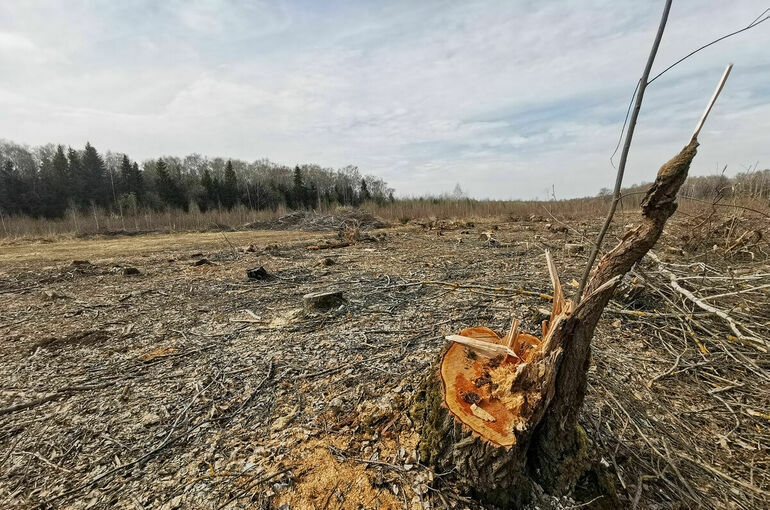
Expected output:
(186, 386)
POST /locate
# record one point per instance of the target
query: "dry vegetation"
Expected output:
(186, 386)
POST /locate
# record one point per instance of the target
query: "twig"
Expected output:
(642, 85)
(246, 402)
(715, 296)
(727, 477)
(719, 313)
(667, 372)
(53, 396)
(235, 252)
(711, 102)
(519, 291)
(754, 23)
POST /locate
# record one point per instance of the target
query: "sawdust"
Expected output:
(329, 483)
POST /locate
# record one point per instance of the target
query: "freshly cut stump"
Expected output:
(469, 421)
(477, 411)
(478, 389)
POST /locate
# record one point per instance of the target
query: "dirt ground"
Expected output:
(187, 386)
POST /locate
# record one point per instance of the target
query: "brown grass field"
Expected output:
(187, 386)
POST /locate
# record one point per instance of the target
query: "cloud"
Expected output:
(506, 98)
(14, 42)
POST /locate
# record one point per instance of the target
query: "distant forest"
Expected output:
(49, 181)
(52, 181)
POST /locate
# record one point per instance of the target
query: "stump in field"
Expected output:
(482, 403)
(499, 415)
(257, 273)
(323, 300)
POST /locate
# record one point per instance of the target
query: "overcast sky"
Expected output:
(507, 98)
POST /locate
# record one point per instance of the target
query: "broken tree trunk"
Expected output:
(499, 415)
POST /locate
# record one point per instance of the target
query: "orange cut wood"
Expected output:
(470, 379)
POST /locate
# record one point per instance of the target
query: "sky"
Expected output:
(510, 99)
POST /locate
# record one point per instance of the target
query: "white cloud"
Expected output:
(10, 42)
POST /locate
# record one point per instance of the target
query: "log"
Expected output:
(323, 300)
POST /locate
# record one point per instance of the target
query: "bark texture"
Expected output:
(486, 472)
(551, 450)
(555, 436)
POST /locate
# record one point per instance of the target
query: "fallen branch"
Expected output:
(327, 246)
(749, 340)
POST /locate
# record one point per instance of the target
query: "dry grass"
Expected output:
(20, 252)
(399, 211)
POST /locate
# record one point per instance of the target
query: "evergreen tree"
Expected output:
(126, 176)
(11, 187)
(54, 184)
(169, 190)
(209, 198)
(137, 181)
(229, 187)
(78, 182)
(298, 193)
(96, 189)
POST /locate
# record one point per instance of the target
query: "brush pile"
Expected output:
(341, 219)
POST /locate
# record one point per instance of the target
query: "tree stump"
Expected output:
(482, 402)
(257, 273)
(499, 415)
(323, 300)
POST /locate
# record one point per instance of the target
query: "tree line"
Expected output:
(752, 183)
(51, 180)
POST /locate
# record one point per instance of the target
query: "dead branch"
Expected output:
(751, 340)
(642, 86)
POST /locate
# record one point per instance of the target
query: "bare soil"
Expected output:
(187, 386)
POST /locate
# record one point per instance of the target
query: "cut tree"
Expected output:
(499, 415)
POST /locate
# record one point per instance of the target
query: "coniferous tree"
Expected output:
(209, 199)
(96, 189)
(126, 171)
(298, 194)
(169, 189)
(78, 182)
(10, 188)
(137, 181)
(229, 187)
(54, 184)
(61, 173)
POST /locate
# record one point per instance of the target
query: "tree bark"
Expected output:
(550, 450)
